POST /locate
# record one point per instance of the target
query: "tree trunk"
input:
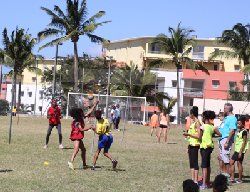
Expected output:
(19, 93)
(75, 68)
(178, 94)
(14, 90)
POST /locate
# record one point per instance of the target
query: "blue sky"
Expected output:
(130, 18)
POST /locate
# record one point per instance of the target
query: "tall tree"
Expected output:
(178, 46)
(72, 24)
(18, 55)
(238, 39)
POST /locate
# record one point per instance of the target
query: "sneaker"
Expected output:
(114, 162)
(84, 166)
(93, 168)
(203, 187)
(238, 181)
(61, 146)
(45, 146)
(71, 166)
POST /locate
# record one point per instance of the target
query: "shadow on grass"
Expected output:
(5, 170)
(65, 148)
(172, 143)
(116, 170)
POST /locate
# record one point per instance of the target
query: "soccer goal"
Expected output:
(133, 109)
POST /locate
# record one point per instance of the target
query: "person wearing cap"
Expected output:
(54, 116)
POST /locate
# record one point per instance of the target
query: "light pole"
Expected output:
(155, 89)
(36, 85)
(107, 97)
(54, 72)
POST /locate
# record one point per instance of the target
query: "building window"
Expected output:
(42, 79)
(22, 93)
(216, 67)
(198, 52)
(232, 85)
(41, 94)
(30, 94)
(215, 83)
(155, 48)
(32, 107)
(40, 108)
(216, 49)
(236, 68)
(4, 89)
(52, 69)
(174, 83)
(33, 79)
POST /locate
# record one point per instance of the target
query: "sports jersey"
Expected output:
(103, 127)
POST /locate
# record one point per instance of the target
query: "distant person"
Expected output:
(207, 146)
(241, 146)
(164, 125)
(227, 138)
(112, 117)
(220, 183)
(190, 186)
(154, 123)
(247, 123)
(54, 116)
(105, 139)
(194, 143)
(117, 117)
(14, 111)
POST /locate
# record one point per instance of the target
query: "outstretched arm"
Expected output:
(91, 109)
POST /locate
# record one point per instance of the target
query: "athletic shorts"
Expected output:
(225, 153)
(193, 152)
(235, 156)
(206, 157)
(105, 142)
(163, 126)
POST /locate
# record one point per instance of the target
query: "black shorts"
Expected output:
(163, 126)
(206, 157)
(235, 157)
(193, 157)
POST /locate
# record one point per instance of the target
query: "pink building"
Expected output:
(198, 84)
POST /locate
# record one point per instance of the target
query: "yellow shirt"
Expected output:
(103, 127)
(14, 110)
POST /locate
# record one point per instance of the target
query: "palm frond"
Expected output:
(48, 32)
(54, 42)
(222, 53)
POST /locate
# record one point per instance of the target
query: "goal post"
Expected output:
(136, 106)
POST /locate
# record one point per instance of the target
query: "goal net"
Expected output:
(132, 109)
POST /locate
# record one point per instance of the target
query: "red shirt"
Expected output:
(76, 134)
(55, 114)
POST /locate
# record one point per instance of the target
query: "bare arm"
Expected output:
(91, 109)
(216, 130)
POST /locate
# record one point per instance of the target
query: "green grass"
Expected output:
(144, 165)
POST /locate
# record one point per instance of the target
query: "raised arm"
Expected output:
(91, 109)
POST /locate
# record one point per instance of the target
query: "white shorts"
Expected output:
(225, 153)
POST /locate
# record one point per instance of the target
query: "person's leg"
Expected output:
(226, 156)
(76, 149)
(96, 156)
(48, 134)
(196, 166)
(204, 176)
(232, 170)
(117, 122)
(83, 154)
(165, 134)
(240, 169)
(59, 129)
(159, 135)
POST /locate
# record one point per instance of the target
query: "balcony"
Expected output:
(192, 92)
(198, 55)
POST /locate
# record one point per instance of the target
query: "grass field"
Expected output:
(144, 165)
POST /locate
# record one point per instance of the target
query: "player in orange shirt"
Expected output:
(247, 123)
(154, 122)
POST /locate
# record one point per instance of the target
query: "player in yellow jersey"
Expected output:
(105, 139)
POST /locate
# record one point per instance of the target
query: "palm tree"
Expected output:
(133, 82)
(237, 39)
(71, 25)
(178, 46)
(18, 54)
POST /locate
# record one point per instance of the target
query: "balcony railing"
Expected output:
(192, 92)
(198, 55)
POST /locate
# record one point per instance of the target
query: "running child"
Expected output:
(77, 134)
(105, 139)
(194, 143)
(154, 122)
(241, 146)
(207, 145)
